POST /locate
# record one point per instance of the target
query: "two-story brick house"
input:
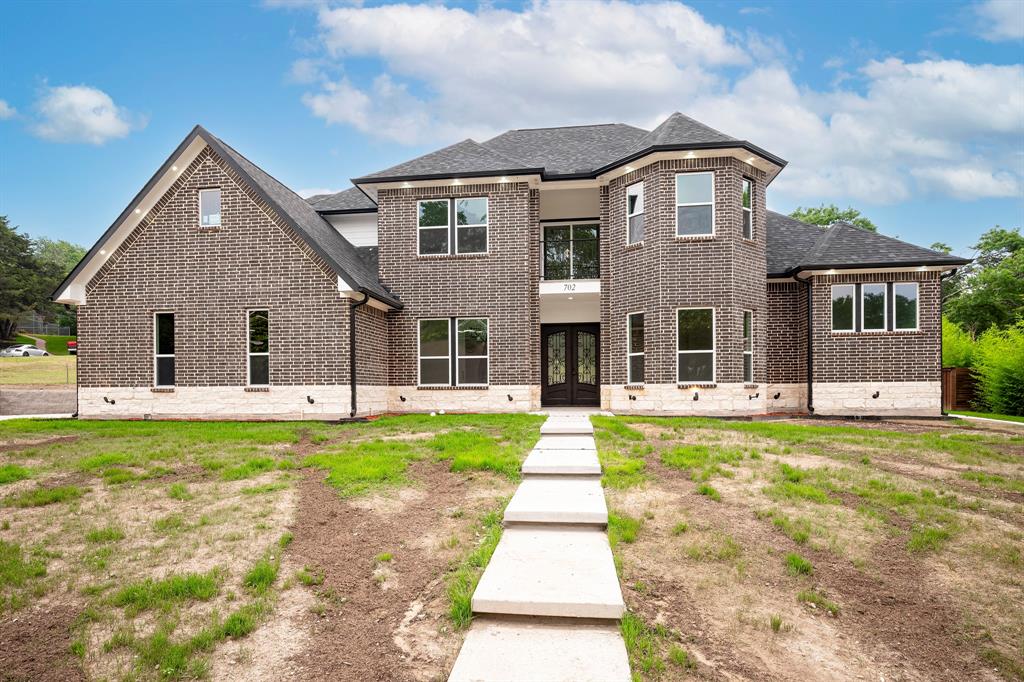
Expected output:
(590, 265)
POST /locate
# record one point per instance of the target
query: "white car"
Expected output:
(23, 350)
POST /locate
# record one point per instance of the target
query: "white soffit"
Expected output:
(75, 291)
(735, 152)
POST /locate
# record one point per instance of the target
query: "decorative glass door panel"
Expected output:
(570, 364)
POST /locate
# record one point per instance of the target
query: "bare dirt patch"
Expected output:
(359, 631)
(35, 644)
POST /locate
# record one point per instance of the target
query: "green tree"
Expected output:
(941, 247)
(59, 255)
(828, 214)
(989, 292)
(22, 285)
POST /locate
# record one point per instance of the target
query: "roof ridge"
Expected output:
(580, 125)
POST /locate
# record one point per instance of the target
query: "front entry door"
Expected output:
(569, 369)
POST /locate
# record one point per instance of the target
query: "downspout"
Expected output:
(942, 300)
(810, 344)
(352, 305)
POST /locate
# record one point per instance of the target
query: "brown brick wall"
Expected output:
(878, 356)
(726, 271)
(786, 333)
(209, 278)
(501, 285)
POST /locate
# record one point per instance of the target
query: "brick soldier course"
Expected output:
(317, 264)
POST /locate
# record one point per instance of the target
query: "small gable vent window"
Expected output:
(635, 213)
(209, 208)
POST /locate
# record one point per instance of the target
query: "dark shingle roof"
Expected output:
(462, 158)
(310, 225)
(351, 200)
(680, 129)
(573, 149)
(794, 246)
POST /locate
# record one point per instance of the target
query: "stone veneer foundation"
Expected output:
(904, 398)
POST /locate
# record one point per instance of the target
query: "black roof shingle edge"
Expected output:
(312, 228)
(351, 200)
(841, 246)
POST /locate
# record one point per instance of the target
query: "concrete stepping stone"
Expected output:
(565, 443)
(558, 499)
(556, 571)
(571, 462)
(530, 651)
(567, 425)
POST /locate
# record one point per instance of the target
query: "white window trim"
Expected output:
(675, 189)
(751, 351)
(853, 317)
(486, 225)
(636, 213)
(714, 346)
(163, 355)
(745, 209)
(630, 354)
(219, 221)
(447, 227)
(448, 357)
(885, 307)
(458, 379)
(248, 353)
(917, 307)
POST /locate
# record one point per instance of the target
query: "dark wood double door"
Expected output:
(569, 364)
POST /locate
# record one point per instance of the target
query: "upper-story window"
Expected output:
(571, 252)
(452, 226)
(635, 213)
(748, 211)
(695, 204)
(209, 208)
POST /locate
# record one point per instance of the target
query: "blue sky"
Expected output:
(912, 112)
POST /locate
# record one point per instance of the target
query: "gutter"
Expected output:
(352, 305)
(810, 344)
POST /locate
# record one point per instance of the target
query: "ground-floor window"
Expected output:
(163, 349)
(748, 347)
(695, 345)
(635, 347)
(259, 348)
(875, 307)
(465, 340)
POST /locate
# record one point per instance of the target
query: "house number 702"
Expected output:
(568, 287)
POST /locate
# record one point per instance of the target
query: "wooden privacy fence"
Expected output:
(957, 388)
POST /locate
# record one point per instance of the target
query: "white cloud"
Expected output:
(79, 113)
(885, 129)
(755, 10)
(1000, 20)
(6, 110)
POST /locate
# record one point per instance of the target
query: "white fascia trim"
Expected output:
(75, 291)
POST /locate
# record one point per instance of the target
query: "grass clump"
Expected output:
(40, 497)
(359, 468)
(104, 535)
(170, 524)
(795, 484)
(622, 528)
(309, 577)
(9, 473)
(702, 461)
(261, 576)
(645, 645)
(819, 601)
(384, 557)
(163, 594)
(263, 489)
(16, 570)
(475, 451)
(462, 581)
(797, 565)
(775, 621)
(717, 546)
(680, 657)
(680, 528)
(179, 491)
(709, 491)
(251, 467)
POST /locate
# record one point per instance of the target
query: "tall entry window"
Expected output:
(571, 252)
(163, 349)
(465, 340)
(635, 347)
(259, 348)
(696, 345)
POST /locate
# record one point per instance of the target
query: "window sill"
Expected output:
(450, 256)
(635, 387)
(750, 386)
(453, 388)
(694, 238)
(162, 389)
(634, 245)
(257, 389)
(877, 333)
(683, 387)
(211, 228)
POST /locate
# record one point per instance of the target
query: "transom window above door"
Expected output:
(452, 226)
(571, 252)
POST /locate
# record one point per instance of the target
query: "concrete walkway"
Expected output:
(547, 606)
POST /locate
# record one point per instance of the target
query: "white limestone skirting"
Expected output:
(906, 398)
(229, 402)
(491, 399)
(726, 400)
(792, 397)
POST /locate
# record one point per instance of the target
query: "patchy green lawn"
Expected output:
(159, 549)
(817, 548)
(55, 345)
